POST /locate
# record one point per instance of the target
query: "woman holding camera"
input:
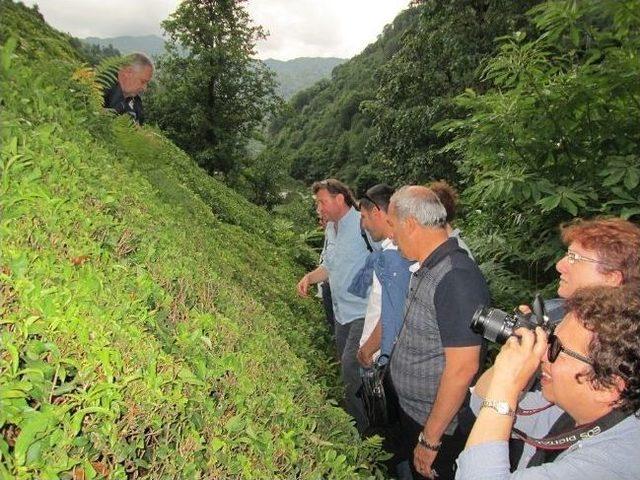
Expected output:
(584, 423)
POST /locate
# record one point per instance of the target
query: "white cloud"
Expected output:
(297, 28)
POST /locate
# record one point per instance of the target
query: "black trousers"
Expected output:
(402, 437)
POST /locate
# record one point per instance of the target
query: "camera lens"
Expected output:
(493, 324)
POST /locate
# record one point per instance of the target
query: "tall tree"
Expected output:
(211, 95)
(556, 137)
(439, 58)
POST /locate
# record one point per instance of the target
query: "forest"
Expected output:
(531, 109)
(148, 322)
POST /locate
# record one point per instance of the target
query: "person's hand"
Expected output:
(364, 356)
(423, 459)
(303, 286)
(526, 309)
(519, 358)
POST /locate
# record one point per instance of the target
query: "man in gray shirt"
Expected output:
(436, 355)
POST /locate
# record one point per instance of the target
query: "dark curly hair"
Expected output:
(613, 315)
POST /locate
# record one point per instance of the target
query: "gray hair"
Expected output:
(139, 60)
(420, 203)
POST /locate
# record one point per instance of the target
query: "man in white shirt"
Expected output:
(373, 209)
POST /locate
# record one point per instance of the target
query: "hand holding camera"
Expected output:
(520, 357)
(525, 338)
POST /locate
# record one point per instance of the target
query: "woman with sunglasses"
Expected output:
(584, 423)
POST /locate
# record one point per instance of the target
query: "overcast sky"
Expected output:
(298, 28)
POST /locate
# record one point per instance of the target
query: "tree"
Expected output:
(439, 58)
(556, 137)
(211, 94)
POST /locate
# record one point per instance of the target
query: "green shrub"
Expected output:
(148, 322)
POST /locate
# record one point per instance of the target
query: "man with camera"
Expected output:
(436, 356)
(584, 423)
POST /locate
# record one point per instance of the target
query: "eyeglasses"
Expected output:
(367, 198)
(574, 257)
(555, 347)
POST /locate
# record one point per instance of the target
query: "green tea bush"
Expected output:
(148, 323)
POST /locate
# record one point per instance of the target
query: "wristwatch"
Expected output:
(429, 446)
(503, 408)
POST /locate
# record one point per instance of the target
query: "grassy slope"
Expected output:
(148, 326)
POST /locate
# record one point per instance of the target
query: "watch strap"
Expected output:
(429, 446)
(498, 406)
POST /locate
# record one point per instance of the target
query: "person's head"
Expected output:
(447, 196)
(599, 252)
(135, 75)
(374, 206)
(333, 199)
(418, 221)
(601, 324)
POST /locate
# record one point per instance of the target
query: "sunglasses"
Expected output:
(367, 198)
(555, 347)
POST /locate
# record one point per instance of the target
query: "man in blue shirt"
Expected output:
(345, 254)
(389, 276)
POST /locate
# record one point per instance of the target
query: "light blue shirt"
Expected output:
(610, 455)
(345, 254)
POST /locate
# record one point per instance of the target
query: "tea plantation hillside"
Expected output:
(148, 327)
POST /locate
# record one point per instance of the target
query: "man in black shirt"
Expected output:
(133, 78)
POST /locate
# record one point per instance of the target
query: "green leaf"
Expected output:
(627, 213)
(7, 53)
(32, 431)
(632, 179)
(569, 206)
(550, 203)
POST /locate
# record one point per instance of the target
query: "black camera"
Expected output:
(497, 326)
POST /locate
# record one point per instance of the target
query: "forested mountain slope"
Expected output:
(531, 109)
(324, 131)
(300, 73)
(152, 45)
(372, 120)
(148, 323)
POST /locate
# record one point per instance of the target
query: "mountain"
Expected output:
(371, 122)
(292, 75)
(150, 44)
(150, 326)
(300, 73)
(324, 131)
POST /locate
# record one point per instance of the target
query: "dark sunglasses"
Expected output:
(555, 347)
(367, 198)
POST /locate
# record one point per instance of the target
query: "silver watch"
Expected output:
(502, 408)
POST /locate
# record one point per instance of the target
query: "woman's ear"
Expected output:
(611, 395)
(614, 278)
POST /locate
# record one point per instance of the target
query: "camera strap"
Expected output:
(561, 436)
(526, 412)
